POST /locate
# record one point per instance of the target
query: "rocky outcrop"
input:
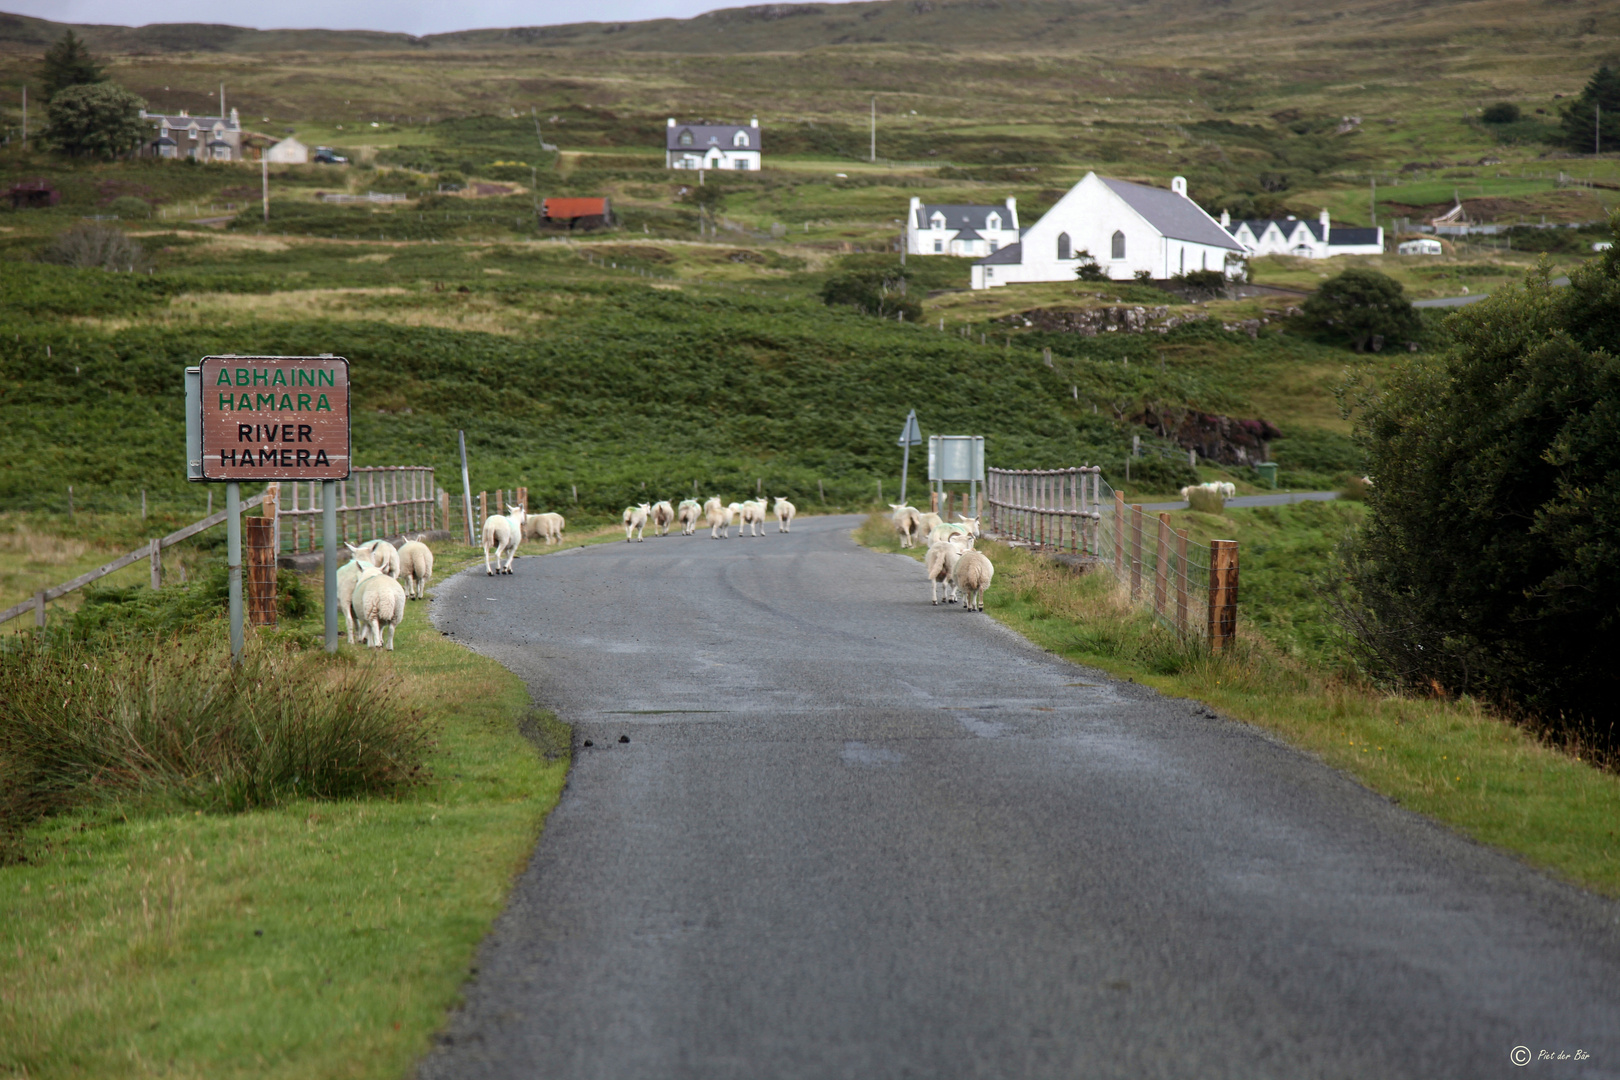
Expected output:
(1138, 319)
(1224, 439)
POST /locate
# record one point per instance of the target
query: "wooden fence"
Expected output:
(383, 500)
(1191, 588)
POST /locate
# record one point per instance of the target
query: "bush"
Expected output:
(89, 246)
(129, 208)
(1503, 112)
(876, 291)
(1206, 501)
(167, 722)
(99, 120)
(1207, 284)
(1489, 564)
(1086, 267)
(1363, 308)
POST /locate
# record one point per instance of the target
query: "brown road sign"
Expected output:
(275, 418)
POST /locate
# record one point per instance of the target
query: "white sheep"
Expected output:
(415, 567)
(378, 601)
(635, 521)
(662, 515)
(784, 514)
(940, 564)
(928, 522)
(971, 524)
(908, 522)
(383, 555)
(944, 531)
(503, 532)
(689, 513)
(1227, 489)
(347, 575)
(753, 517)
(718, 517)
(544, 526)
(971, 577)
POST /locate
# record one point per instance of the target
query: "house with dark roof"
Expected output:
(712, 146)
(1124, 228)
(1319, 239)
(966, 230)
(203, 138)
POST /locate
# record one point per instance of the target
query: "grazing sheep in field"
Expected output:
(753, 517)
(347, 575)
(972, 576)
(718, 518)
(415, 567)
(503, 532)
(635, 521)
(378, 601)
(784, 514)
(662, 515)
(689, 513)
(907, 522)
(1228, 489)
(547, 526)
(384, 556)
(940, 564)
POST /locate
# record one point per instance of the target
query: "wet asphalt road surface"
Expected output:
(855, 836)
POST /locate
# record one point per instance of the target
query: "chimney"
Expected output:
(754, 122)
(672, 121)
(1012, 208)
(1326, 224)
(1226, 220)
(1178, 185)
(236, 121)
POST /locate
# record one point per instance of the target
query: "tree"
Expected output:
(1087, 269)
(1363, 307)
(1503, 112)
(69, 63)
(99, 120)
(880, 292)
(1582, 131)
(1490, 561)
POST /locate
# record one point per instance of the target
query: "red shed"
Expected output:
(578, 213)
(33, 193)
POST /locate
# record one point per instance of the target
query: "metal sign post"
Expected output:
(910, 435)
(957, 459)
(270, 418)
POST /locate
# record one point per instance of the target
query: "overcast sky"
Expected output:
(402, 16)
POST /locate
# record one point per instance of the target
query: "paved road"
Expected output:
(1281, 498)
(1472, 298)
(855, 836)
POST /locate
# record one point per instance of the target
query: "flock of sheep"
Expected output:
(1220, 489)
(369, 589)
(718, 516)
(952, 560)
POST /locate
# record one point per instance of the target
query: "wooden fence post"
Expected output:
(261, 567)
(1223, 592)
(1136, 551)
(523, 498)
(1119, 536)
(39, 609)
(271, 508)
(1181, 582)
(1161, 575)
(157, 563)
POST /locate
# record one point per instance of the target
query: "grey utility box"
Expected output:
(956, 458)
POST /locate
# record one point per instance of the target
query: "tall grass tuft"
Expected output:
(172, 721)
(1205, 501)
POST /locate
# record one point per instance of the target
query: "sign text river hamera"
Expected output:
(275, 418)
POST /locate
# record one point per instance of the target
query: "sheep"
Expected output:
(1228, 490)
(348, 574)
(753, 517)
(940, 564)
(416, 566)
(945, 530)
(784, 514)
(908, 522)
(384, 555)
(503, 532)
(971, 524)
(972, 576)
(718, 517)
(689, 512)
(548, 526)
(928, 523)
(378, 601)
(662, 515)
(635, 521)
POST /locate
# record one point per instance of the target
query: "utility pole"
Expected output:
(1372, 203)
(1597, 127)
(222, 103)
(874, 130)
(25, 116)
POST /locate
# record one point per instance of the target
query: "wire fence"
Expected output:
(1190, 587)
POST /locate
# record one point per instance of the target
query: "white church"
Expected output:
(1126, 228)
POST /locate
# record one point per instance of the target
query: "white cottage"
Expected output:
(288, 151)
(968, 230)
(202, 138)
(1319, 239)
(712, 146)
(1126, 228)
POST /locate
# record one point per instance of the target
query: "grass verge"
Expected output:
(312, 939)
(1448, 759)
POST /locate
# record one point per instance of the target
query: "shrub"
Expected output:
(95, 246)
(1363, 308)
(99, 120)
(1503, 112)
(1086, 267)
(129, 208)
(1206, 284)
(1489, 564)
(179, 723)
(876, 291)
(1206, 501)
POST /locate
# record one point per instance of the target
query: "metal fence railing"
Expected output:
(1190, 587)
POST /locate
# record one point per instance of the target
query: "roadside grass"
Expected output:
(314, 939)
(1451, 760)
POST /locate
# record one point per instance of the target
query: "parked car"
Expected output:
(325, 155)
